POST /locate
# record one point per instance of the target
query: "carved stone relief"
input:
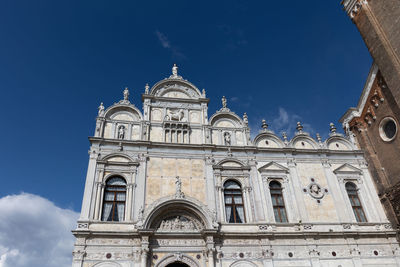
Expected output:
(179, 224)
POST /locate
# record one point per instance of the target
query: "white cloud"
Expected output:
(287, 122)
(34, 232)
(284, 121)
(164, 41)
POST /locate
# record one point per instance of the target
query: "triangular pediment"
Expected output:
(273, 167)
(347, 169)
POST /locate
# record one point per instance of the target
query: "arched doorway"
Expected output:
(177, 264)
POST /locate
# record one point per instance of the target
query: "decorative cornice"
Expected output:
(353, 7)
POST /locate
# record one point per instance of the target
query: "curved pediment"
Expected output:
(175, 88)
(303, 142)
(122, 112)
(226, 120)
(338, 143)
(268, 140)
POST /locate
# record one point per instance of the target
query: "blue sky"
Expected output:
(282, 61)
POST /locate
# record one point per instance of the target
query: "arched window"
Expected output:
(355, 202)
(114, 200)
(277, 202)
(234, 208)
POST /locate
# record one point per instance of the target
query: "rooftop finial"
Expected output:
(284, 135)
(223, 102)
(175, 71)
(332, 128)
(319, 138)
(299, 127)
(264, 125)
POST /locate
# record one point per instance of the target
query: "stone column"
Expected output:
(139, 195)
(210, 251)
(347, 206)
(221, 203)
(258, 195)
(89, 185)
(246, 196)
(355, 253)
(314, 254)
(268, 210)
(128, 201)
(375, 201)
(78, 257)
(211, 192)
(337, 196)
(99, 186)
(298, 194)
(144, 251)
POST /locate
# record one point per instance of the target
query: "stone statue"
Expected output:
(224, 102)
(146, 89)
(178, 187)
(245, 118)
(101, 109)
(203, 93)
(126, 94)
(175, 71)
(227, 138)
(121, 132)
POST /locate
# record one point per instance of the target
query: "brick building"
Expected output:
(375, 121)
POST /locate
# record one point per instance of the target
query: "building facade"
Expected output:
(170, 186)
(374, 122)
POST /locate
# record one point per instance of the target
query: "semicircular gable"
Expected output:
(175, 89)
(226, 120)
(268, 140)
(231, 162)
(303, 142)
(117, 157)
(338, 143)
(123, 113)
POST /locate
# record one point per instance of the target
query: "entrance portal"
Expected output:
(177, 264)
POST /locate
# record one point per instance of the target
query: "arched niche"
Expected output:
(338, 143)
(268, 140)
(170, 208)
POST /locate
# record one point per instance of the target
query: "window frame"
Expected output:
(233, 205)
(355, 208)
(278, 207)
(114, 202)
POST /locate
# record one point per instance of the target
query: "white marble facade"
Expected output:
(161, 182)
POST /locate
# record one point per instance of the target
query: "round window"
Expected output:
(388, 129)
